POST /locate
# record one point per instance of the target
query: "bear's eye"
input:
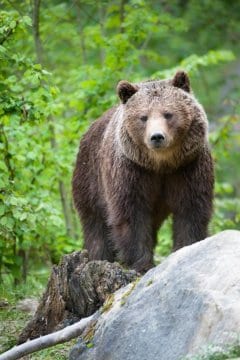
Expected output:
(144, 118)
(168, 115)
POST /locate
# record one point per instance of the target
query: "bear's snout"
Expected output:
(157, 134)
(157, 139)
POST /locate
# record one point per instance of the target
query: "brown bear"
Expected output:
(140, 162)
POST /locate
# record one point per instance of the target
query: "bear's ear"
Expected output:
(125, 90)
(181, 80)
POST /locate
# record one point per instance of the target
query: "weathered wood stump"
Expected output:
(76, 288)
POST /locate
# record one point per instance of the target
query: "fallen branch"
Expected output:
(43, 342)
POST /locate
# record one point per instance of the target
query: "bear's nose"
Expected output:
(157, 138)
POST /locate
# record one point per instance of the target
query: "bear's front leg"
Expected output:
(189, 227)
(133, 243)
(129, 216)
(190, 197)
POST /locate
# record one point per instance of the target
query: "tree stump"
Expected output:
(76, 288)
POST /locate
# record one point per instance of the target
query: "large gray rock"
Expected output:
(192, 299)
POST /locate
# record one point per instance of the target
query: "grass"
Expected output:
(11, 323)
(13, 320)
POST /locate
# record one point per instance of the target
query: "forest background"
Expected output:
(60, 62)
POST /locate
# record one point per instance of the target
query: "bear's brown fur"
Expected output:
(140, 162)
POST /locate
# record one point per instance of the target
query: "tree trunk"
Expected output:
(24, 256)
(36, 34)
(76, 289)
(122, 14)
(101, 16)
(80, 18)
(62, 188)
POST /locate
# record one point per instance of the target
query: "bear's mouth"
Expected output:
(157, 145)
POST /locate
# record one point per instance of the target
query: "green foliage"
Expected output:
(225, 145)
(31, 219)
(229, 352)
(192, 63)
(52, 86)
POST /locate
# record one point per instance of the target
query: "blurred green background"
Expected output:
(60, 62)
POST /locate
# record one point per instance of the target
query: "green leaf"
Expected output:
(23, 216)
(12, 24)
(8, 222)
(27, 20)
(37, 66)
(2, 49)
(2, 209)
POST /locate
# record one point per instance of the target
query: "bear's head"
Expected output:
(160, 122)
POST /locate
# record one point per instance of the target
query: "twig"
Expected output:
(43, 342)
